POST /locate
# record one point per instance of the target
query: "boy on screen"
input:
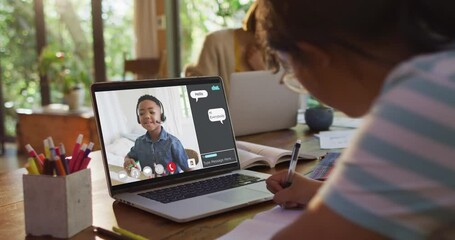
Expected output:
(158, 152)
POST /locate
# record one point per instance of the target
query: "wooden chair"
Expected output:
(145, 68)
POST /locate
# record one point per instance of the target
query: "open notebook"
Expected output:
(166, 180)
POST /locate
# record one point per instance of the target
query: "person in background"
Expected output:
(230, 50)
(392, 62)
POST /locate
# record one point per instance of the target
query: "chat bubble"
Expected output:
(199, 94)
(217, 114)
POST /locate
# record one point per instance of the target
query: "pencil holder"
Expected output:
(59, 206)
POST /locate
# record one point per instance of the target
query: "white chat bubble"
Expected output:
(199, 94)
(217, 114)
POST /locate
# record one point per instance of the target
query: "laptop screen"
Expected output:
(158, 131)
(275, 104)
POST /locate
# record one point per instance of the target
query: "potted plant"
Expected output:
(67, 75)
(318, 116)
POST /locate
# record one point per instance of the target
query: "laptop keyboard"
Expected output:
(194, 189)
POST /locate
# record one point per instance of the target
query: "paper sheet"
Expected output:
(335, 139)
(264, 225)
(346, 122)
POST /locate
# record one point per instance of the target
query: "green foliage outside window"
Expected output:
(19, 59)
(199, 17)
(69, 33)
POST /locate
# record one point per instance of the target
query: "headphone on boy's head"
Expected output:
(154, 99)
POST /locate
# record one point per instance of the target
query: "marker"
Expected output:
(293, 163)
(42, 157)
(48, 167)
(76, 163)
(63, 158)
(109, 234)
(32, 153)
(31, 166)
(47, 151)
(56, 163)
(128, 234)
(89, 149)
(76, 150)
(85, 163)
(51, 148)
(59, 166)
(57, 151)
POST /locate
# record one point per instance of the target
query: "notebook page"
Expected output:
(264, 225)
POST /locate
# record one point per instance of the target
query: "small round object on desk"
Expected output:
(319, 118)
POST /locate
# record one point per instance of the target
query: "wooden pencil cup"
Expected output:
(59, 206)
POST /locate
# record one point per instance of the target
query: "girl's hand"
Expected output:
(298, 194)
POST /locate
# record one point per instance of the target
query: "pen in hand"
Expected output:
(293, 163)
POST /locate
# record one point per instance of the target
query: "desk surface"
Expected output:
(107, 213)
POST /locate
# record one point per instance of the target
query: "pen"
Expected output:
(128, 234)
(109, 234)
(293, 163)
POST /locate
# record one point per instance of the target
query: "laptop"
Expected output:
(198, 116)
(259, 103)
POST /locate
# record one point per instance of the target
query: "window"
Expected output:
(198, 17)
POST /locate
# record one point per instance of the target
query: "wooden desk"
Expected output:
(107, 213)
(33, 126)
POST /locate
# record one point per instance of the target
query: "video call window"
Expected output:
(194, 115)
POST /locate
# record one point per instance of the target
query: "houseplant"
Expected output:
(67, 76)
